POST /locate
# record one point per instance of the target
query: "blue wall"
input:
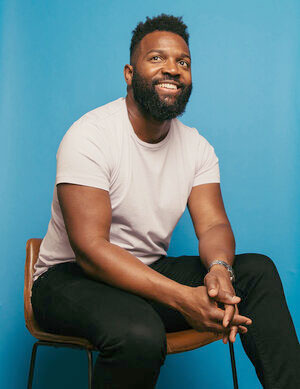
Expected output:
(60, 59)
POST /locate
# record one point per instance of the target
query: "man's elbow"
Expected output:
(88, 252)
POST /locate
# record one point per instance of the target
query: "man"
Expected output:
(125, 173)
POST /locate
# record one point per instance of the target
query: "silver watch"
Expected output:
(228, 267)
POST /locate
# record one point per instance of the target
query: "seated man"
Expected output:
(125, 173)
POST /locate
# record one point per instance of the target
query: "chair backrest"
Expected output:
(32, 252)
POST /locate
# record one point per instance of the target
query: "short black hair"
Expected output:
(161, 22)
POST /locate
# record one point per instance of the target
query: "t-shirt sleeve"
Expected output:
(83, 157)
(207, 164)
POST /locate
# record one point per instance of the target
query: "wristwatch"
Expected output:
(228, 267)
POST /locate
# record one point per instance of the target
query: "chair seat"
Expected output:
(177, 342)
(181, 341)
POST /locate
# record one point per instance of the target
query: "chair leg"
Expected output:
(233, 366)
(32, 363)
(90, 363)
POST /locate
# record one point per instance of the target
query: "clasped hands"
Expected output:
(213, 307)
(222, 294)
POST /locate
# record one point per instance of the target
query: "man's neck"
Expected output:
(146, 128)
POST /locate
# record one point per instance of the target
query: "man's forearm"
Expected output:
(115, 266)
(217, 243)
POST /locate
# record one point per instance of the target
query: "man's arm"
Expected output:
(87, 216)
(212, 227)
(216, 242)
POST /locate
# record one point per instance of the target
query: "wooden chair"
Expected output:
(177, 342)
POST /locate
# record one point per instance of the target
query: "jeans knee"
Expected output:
(257, 266)
(147, 342)
(142, 344)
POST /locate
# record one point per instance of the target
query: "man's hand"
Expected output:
(220, 289)
(203, 313)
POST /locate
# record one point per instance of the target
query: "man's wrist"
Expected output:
(220, 265)
(181, 297)
(217, 268)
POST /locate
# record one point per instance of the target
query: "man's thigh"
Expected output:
(187, 270)
(67, 302)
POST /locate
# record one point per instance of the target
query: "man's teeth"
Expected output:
(168, 86)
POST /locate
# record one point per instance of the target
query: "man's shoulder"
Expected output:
(104, 112)
(98, 124)
(187, 132)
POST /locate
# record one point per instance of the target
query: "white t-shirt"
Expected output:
(148, 184)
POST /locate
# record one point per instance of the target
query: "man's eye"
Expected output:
(155, 58)
(184, 63)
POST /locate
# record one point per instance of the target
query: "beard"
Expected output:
(150, 103)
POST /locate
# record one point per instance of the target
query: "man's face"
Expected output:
(161, 81)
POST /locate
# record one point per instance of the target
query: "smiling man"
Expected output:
(125, 174)
(158, 95)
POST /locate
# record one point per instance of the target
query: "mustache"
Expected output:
(169, 78)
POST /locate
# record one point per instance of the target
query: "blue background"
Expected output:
(60, 59)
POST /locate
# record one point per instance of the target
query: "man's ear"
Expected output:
(128, 73)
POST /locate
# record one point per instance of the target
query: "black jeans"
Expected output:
(130, 331)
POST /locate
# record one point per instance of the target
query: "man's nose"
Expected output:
(171, 67)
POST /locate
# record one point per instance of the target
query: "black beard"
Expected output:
(151, 104)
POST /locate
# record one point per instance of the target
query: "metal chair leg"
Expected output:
(233, 366)
(90, 363)
(32, 363)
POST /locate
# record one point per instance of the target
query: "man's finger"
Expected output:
(213, 289)
(212, 285)
(220, 289)
(242, 329)
(226, 297)
(233, 332)
(241, 320)
(229, 313)
(225, 338)
(217, 315)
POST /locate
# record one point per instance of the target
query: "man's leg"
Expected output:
(271, 342)
(127, 331)
(258, 284)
